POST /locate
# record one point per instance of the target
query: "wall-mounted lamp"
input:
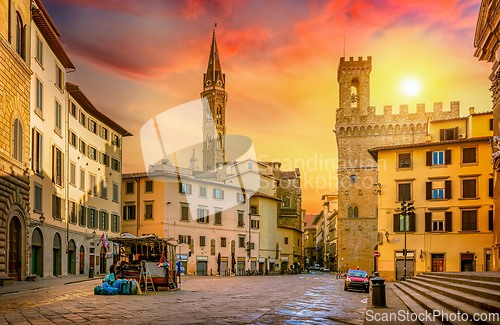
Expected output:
(42, 219)
(346, 227)
(93, 234)
(387, 236)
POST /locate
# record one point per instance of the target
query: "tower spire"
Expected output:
(214, 70)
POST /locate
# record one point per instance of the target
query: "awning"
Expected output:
(182, 257)
(284, 258)
(262, 260)
(202, 258)
(240, 259)
(271, 260)
(253, 259)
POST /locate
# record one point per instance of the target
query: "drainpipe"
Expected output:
(138, 180)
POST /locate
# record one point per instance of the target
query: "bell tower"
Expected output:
(214, 117)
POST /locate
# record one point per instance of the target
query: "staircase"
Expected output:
(451, 293)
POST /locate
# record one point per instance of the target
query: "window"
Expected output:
(202, 241)
(469, 219)
(252, 245)
(448, 134)
(93, 153)
(104, 133)
(255, 224)
(285, 201)
(218, 216)
(58, 117)
(404, 160)
(82, 179)
(115, 192)
(148, 210)
(438, 225)
(286, 240)
(37, 151)
(57, 166)
(469, 188)
(438, 158)
(203, 191)
(402, 222)
(438, 190)
(92, 218)
(105, 159)
(149, 187)
(438, 194)
(83, 147)
(352, 212)
(490, 220)
(129, 211)
(38, 198)
(491, 124)
(404, 191)
(249, 165)
(39, 50)
(82, 215)
(72, 212)
(185, 188)
(223, 242)
(469, 155)
(83, 119)
(115, 225)
(116, 140)
(241, 223)
(56, 206)
(490, 187)
(241, 241)
(184, 212)
(253, 210)
(218, 194)
(240, 197)
(202, 214)
(103, 220)
(354, 179)
(39, 96)
(72, 173)
(73, 139)
(93, 184)
(93, 126)
(19, 35)
(104, 188)
(129, 188)
(115, 164)
(184, 239)
(17, 140)
(59, 78)
(73, 111)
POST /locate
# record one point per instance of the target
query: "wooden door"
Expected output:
(82, 259)
(437, 263)
(14, 248)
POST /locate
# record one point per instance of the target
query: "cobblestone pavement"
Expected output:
(291, 299)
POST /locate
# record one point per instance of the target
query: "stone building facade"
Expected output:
(357, 129)
(487, 47)
(14, 139)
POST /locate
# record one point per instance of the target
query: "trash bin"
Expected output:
(378, 291)
(91, 272)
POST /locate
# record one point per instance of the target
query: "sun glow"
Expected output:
(411, 87)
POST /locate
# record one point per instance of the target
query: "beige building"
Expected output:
(330, 211)
(357, 129)
(448, 179)
(309, 239)
(15, 25)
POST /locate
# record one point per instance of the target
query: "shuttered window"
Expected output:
(448, 134)
(148, 210)
(490, 187)
(58, 117)
(184, 212)
(400, 222)
(469, 219)
(129, 212)
(149, 187)
(72, 173)
(129, 188)
(469, 155)
(115, 223)
(115, 192)
(38, 198)
(490, 220)
(17, 140)
(218, 217)
(82, 215)
(56, 206)
(404, 160)
(491, 124)
(39, 96)
(404, 191)
(72, 212)
(241, 223)
(202, 240)
(223, 242)
(185, 188)
(37, 151)
(469, 188)
(58, 166)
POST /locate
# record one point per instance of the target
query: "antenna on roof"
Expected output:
(344, 45)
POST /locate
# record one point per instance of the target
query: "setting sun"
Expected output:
(411, 87)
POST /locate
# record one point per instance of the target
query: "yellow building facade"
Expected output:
(449, 180)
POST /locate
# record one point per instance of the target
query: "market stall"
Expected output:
(159, 256)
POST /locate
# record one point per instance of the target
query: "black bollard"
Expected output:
(378, 291)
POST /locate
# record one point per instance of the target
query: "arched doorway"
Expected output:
(71, 257)
(82, 259)
(56, 255)
(15, 248)
(103, 260)
(37, 252)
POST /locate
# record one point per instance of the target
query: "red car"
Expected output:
(357, 279)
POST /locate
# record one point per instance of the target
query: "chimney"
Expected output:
(471, 110)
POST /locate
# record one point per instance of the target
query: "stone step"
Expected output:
(466, 287)
(481, 276)
(476, 283)
(454, 305)
(489, 305)
(419, 304)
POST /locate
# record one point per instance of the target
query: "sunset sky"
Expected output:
(136, 59)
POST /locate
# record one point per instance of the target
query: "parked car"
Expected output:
(316, 267)
(357, 279)
(324, 269)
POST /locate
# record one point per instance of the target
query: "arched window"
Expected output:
(352, 211)
(17, 140)
(219, 141)
(355, 92)
(19, 34)
(219, 115)
(285, 201)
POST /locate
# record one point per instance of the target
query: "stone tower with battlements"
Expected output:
(214, 117)
(357, 129)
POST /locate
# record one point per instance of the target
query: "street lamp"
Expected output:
(407, 208)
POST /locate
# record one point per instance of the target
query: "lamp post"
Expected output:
(406, 207)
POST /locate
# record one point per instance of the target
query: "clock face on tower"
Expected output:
(208, 83)
(219, 83)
